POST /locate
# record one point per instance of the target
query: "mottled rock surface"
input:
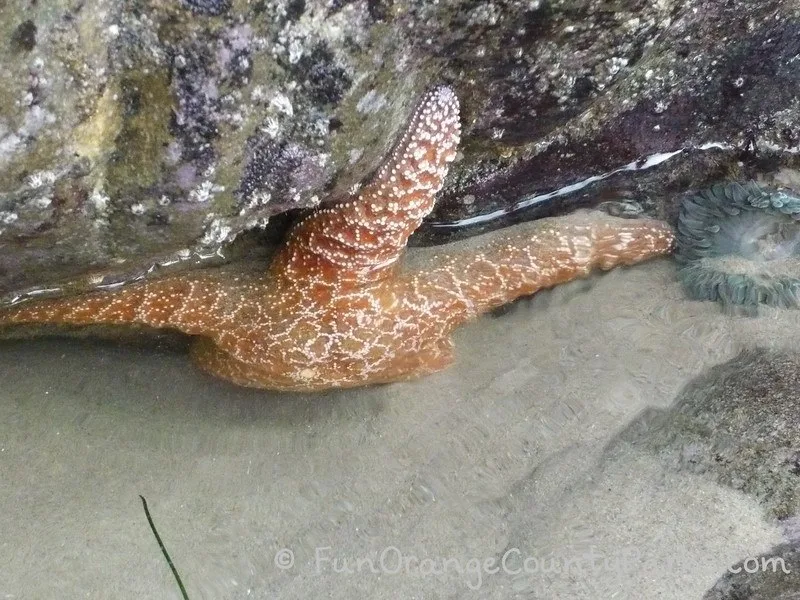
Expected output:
(739, 424)
(134, 132)
(773, 576)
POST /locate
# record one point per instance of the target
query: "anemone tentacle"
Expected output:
(739, 244)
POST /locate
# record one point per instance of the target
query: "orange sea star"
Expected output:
(335, 308)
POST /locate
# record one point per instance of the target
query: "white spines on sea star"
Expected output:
(358, 240)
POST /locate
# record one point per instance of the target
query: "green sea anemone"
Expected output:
(739, 244)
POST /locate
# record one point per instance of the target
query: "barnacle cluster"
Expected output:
(212, 8)
(739, 244)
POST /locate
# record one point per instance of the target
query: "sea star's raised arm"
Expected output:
(358, 240)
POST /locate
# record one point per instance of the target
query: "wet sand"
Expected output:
(505, 454)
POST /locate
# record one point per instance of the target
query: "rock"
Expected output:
(737, 424)
(135, 133)
(773, 576)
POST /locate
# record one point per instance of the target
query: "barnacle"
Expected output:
(212, 8)
(739, 244)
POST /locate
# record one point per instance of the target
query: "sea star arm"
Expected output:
(193, 305)
(357, 241)
(479, 276)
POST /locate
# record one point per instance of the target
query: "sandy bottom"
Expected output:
(414, 490)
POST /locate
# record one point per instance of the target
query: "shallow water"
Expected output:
(502, 455)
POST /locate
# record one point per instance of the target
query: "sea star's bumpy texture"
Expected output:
(335, 309)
